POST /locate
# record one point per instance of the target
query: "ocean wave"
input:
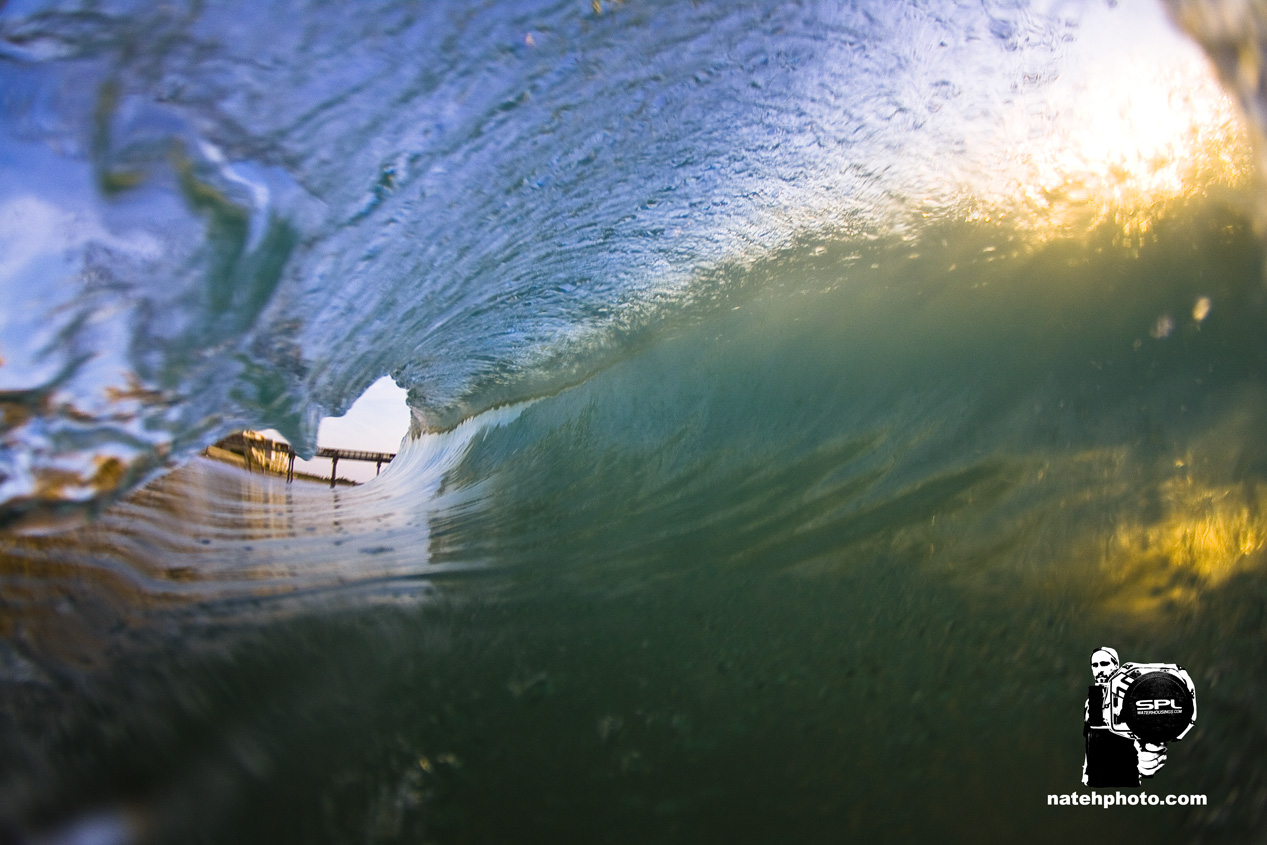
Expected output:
(799, 392)
(237, 217)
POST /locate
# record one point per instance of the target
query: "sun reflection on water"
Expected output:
(1128, 129)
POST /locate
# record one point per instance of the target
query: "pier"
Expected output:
(259, 453)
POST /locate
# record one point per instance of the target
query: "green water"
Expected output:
(822, 561)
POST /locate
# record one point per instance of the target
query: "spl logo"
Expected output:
(1133, 711)
(1156, 704)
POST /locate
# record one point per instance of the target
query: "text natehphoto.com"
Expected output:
(1118, 799)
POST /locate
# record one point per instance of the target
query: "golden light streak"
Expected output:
(1207, 536)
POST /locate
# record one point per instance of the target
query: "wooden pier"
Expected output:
(258, 452)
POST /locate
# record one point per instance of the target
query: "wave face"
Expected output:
(801, 393)
(225, 217)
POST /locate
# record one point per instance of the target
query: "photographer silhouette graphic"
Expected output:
(1133, 710)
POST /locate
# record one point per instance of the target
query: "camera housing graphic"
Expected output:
(1150, 702)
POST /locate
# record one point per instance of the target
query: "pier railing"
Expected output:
(265, 455)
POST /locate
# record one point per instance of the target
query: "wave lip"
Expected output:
(236, 217)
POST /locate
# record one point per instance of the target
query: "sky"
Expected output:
(375, 423)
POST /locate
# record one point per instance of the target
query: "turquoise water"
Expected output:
(778, 459)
